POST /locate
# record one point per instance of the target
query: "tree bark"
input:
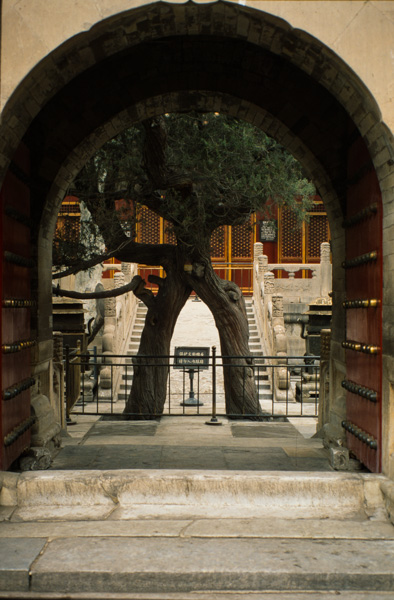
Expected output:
(129, 287)
(227, 305)
(151, 365)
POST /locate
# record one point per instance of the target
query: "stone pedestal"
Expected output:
(46, 431)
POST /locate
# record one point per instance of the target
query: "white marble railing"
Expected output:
(119, 318)
(269, 295)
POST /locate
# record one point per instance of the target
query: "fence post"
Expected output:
(214, 420)
(67, 381)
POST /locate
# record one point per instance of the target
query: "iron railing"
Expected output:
(200, 392)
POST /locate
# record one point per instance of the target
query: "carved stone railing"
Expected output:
(270, 294)
(119, 318)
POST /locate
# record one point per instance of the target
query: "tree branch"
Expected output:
(130, 287)
(88, 264)
(147, 254)
(145, 295)
(131, 252)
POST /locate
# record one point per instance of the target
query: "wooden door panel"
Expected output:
(363, 340)
(16, 380)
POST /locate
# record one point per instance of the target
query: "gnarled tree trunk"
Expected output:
(227, 305)
(150, 376)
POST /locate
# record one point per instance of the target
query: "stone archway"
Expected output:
(227, 58)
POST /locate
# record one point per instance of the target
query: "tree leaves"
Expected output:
(198, 171)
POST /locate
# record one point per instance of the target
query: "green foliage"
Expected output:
(236, 169)
(200, 172)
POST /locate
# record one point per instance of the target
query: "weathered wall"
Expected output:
(360, 32)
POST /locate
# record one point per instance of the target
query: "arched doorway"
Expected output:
(243, 62)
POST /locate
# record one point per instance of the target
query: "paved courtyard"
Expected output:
(189, 443)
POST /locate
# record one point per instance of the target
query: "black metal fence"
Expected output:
(285, 386)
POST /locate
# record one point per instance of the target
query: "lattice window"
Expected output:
(70, 206)
(241, 241)
(317, 207)
(291, 237)
(169, 235)
(68, 228)
(218, 243)
(148, 227)
(317, 234)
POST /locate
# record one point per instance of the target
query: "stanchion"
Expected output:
(214, 420)
(192, 400)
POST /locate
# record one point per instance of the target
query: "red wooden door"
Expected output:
(150, 231)
(241, 256)
(363, 304)
(15, 417)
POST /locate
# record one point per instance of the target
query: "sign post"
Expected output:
(268, 231)
(191, 359)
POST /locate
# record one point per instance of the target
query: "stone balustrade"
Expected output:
(119, 317)
(280, 303)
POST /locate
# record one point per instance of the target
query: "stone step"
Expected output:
(128, 377)
(125, 386)
(180, 494)
(263, 385)
(204, 559)
(262, 378)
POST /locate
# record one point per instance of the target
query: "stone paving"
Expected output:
(189, 443)
(163, 510)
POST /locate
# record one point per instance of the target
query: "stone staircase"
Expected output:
(127, 376)
(263, 382)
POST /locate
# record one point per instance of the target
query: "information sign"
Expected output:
(268, 231)
(191, 357)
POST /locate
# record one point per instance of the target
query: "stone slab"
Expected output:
(135, 528)
(106, 453)
(62, 513)
(299, 463)
(262, 595)
(266, 430)
(16, 557)
(200, 439)
(257, 459)
(6, 512)
(320, 493)
(290, 529)
(163, 565)
(306, 452)
(184, 457)
(357, 529)
(95, 456)
(128, 428)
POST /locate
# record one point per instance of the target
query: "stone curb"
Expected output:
(97, 494)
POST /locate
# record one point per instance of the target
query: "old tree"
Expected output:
(198, 172)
